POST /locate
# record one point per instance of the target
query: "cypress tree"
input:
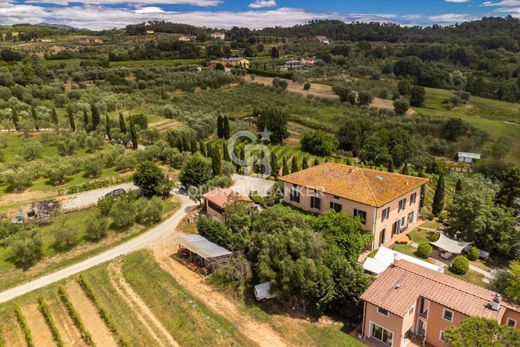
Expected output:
(225, 128)
(316, 162)
(391, 165)
(35, 118)
(285, 167)
(122, 123)
(220, 127)
(133, 136)
(404, 170)
(72, 122)
(423, 195)
(294, 164)
(305, 164)
(438, 198)
(274, 165)
(85, 120)
(193, 145)
(458, 186)
(108, 126)
(226, 152)
(14, 116)
(203, 149)
(54, 116)
(216, 161)
(95, 116)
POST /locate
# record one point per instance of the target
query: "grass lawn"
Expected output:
(406, 249)
(420, 235)
(329, 336)
(186, 318)
(471, 277)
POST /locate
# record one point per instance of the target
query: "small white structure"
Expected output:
(386, 256)
(218, 35)
(467, 157)
(449, 246)
(323, 39)
(263, 291)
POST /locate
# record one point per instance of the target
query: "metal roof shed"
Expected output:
(203, 247)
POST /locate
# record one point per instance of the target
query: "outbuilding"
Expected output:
(467, 157)
(201, 252)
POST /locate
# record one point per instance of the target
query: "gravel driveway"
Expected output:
(90, 198)
(246, 184)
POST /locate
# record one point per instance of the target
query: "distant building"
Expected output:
(230, 63)
(467, 157)
(293, 64)
(386, 203)
(323, 39)
(408, 301)
(218, 35)
(150, 32)
(90, 41)
(186, 38)
(218, 199)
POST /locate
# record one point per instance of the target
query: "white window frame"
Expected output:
(371, 325)
(511, 320)
(441, 335)
(387, 314)
(444, 310)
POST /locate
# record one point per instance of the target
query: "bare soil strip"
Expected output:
(40, 330)
(12, 334)
(88, 312)
(70, 335)
(136, 304)
(260, 333)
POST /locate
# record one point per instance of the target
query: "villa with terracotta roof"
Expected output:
(387, 203)
(217, 199)
(409, 301)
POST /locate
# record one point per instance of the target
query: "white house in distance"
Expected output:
(323, 39)
(218, 35)
(467, 157)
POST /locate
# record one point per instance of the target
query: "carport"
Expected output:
(201, 252)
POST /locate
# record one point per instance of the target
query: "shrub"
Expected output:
(424, 250)
(460, 265)
(474, 253)
(307, 86)
(434, 236)
(97, 227)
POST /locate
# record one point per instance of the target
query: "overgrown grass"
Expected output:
(186, 318)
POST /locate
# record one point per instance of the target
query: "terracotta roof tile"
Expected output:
(401, 285)
(367, 186)
(220, 196)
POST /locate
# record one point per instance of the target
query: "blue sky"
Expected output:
(105, 14)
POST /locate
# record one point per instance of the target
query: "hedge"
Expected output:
(87, 288)
(473, 254)
(460, 265)
(23, 324)
(44, 309)
(74, 315)
(265, 73)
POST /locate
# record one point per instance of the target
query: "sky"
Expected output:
(255, 14)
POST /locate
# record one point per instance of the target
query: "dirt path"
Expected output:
(136, 304)
(323, 91)
(70, 335)
(41, 334)
(12, 334)
(89, 314)
(260, 333)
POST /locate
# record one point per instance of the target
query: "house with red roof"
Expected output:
(217, 199)
(409, 301)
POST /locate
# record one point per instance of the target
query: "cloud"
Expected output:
(200, 3)
(450, 18)
(262, 3)
(504, 3)
(457, 1)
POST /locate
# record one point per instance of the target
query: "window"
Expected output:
(411, 311)
(315, 202)
(402, 223)
(448, 315)
(382, 237)
(511, 322)
(295, 195)
(381, 334)
(335, 206)
(402, 204)
(413, 199)
(410, 217)
(361, 214)
(441, 336)
(386, 214)
(382, 311)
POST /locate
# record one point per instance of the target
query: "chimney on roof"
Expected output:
(398, 285)
(497, 300)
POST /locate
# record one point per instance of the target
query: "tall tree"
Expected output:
(225, 128)
(285, 167)
(108, 126)
(294, 164)
(438, 198)
(14, 117)
(134, 136)
(122, 123)
(458, 186)
(34, 116)
(96, 119)
(274, 121)
(274, 165)
(305, 163)
(476, 331)
(513, 286)
(86, 122)
(54, 117)
(216, 161)
(404, 170)
(149, 178)
(391, 165)
(226, 152)
(509, 194)
(220, 127)
(72, 122)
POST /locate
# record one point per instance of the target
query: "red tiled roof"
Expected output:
(220, 196)
(367, 186)
(401, 285)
